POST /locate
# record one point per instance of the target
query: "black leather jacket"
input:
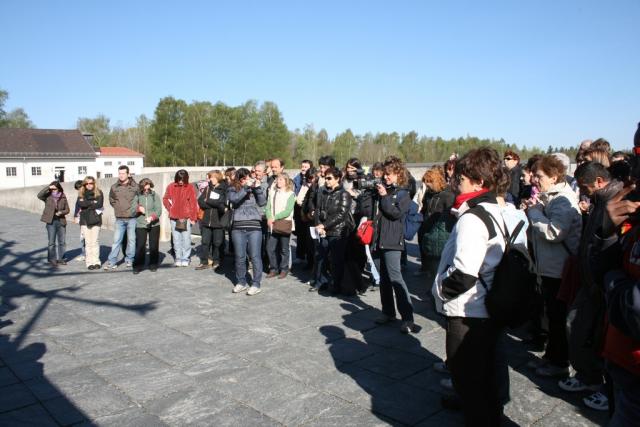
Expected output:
(333, 210)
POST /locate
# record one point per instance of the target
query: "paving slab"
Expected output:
(177, 347)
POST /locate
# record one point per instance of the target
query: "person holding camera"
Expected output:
(247, 199)
(55, 210)
(360, 187)
(393, 205)
(333, 221)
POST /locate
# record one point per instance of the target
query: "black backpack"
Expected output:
(515, 294)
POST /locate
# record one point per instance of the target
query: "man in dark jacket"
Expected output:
(586, 310)
(120, 196)
(512, 163)
(619, 260)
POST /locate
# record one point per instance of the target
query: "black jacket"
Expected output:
(436, 207)
(333, 210)
(214, 207)
(389, 230)
(88, 206)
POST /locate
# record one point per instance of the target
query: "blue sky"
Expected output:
(535, 73)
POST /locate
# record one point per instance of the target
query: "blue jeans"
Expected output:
(181, 242)
(121, 225)
(247, 241)
(274, 254)
(56, 231)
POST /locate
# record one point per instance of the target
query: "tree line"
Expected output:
(201, 133)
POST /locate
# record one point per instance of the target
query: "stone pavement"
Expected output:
(176, 347)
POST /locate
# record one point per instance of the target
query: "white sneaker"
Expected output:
(446, 384)
(239, 288)
(254, 290)
(597, 401)
(185, 263)
(572, 384)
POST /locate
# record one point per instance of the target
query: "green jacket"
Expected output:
(152, 204)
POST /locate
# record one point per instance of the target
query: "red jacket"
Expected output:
(181, 201)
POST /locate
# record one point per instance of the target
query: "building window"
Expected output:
(12, 171)
(108, 175)
(130, 162)
(36, 170)
(82, 170)
(108, 163)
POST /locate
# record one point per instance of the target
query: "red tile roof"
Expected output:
(118, 152)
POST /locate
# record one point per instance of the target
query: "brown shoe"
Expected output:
(271, 274)
(202, 267)
(282, 275)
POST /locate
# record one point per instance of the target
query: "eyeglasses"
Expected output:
(329, 178)
(509, 158)
(88, 183)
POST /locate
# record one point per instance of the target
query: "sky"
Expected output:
(536, 73)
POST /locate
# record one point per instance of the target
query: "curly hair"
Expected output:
(394, 165)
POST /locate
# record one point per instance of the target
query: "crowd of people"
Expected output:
(351, 229)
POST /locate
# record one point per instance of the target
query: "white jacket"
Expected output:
(468, 254)
(557, 220)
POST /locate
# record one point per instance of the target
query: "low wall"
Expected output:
(25, 198)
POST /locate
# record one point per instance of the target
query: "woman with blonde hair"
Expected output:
(279, 214)
(90, 202)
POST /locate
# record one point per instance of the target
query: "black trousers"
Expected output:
(212, 244)
(356, 259)
(471, 358)
(153, 234)
(557, 351)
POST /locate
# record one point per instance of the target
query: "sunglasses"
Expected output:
(329, 178)
(508, 158)
(89, 183)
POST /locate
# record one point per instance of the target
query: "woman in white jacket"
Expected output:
(556, 224)
(473, 252)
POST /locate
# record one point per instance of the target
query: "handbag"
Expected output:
(282, 226)
(364, 233)
(181, 225)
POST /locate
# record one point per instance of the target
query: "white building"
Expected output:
(110, 158)
(38, 156)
